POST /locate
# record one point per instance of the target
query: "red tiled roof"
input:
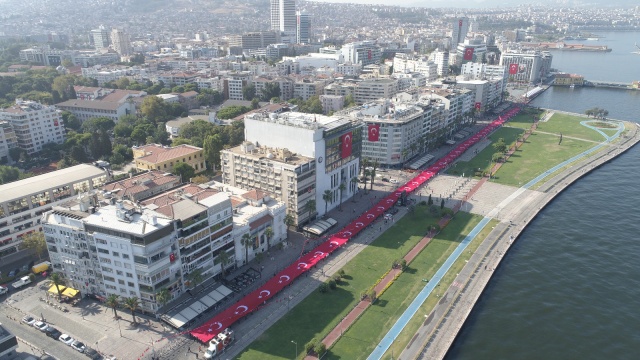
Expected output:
(158, 154)
(139, 183)
(255, 194)
(263, 220)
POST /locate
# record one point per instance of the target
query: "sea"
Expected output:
(569, 287)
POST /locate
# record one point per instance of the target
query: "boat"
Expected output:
(572, 86)
(637, 47)
(593, 39)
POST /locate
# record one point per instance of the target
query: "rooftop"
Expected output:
(303, 120)
(157, 153)
(271, 154)
(54, 179)
(137, 224)
(90, 104)
(181, 203)
(140, 183)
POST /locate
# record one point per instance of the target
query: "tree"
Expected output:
(327, 196)
(246, 241)
(342, 188)
(35, 241)
(289, 220)
(96, 124)
(70, 121)
(249, 92)
(500, 146)
(195, 277)
(163, 296)
(268, 232)
(430, 201)
(442, 204)
(232, 111)
(200, 179)
(255, 103)
(152, 108)
(224, 259)
(57, 280)
(113, 302)
(349, 101)
(270, 90)
(373, 171)
(9, 173)
(212, 145)
(310, 207)
(132, 304)
(184, 170)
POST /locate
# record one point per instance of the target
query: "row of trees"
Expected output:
(269, 91)
(597, 113)
(46, 86)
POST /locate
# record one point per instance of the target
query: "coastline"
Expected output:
(442, 325)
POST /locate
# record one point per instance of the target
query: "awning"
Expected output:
(320, 227)
(70, 292)
(54, 290)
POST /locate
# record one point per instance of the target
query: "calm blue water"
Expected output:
(569, 288)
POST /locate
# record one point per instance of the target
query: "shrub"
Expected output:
(336, 278)
(332, 284)
(324, 287)
(403, 264)
(320, 348)
(341, 273)
(310, 346)
(422, 203)
(372, 296)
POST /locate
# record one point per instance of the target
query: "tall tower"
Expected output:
(120, 42)
(460, 29)
(100, 38)
(283, 16)
(303, 29)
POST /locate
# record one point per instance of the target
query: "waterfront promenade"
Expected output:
(441, 326)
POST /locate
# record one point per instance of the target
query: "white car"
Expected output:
(3, 290)
(66, 339)
(40, 325)
(394, 181)
(29, 320)
(78, 346)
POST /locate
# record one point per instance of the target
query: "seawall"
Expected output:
(442, 325)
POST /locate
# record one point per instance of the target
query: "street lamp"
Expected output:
(296, 355)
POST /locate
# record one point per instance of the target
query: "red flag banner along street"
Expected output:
(468, 54)
(478, 106)
(374, 132)
(346, 143)
(513, 69)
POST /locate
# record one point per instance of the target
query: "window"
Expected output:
(121, 282)
(103, 251)
(127, 266)
(131, 284)
(109, 278)
(125, 256)
(116, 254)
(117, 263)
(120, 272)
(129, 275)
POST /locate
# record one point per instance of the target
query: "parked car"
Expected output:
(52, 332)
(385, 179)
(66, 339)
(14, 272)
(393, 210)
(3, 290)
(29, 320)
(92, 354)
(78, 346)
(393, 181)
(40, 325)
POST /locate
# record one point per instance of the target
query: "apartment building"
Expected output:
(405, 63)
(164, 158)
(86, 109)
(254, 40)
(121, 42)
(340, 89)
(472, 50)
(100, 38)
(234, 82)
(34, 124)
(308, 87)
(326, 150)
(331, 103)
(528, 67)
(177, 78)
(362, 52)
(373, 89)
(8, 141)
(22, 202)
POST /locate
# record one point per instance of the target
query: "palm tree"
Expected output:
(327, 196)
(373, 172)
(310, 206)
(365, 177)
(289, 221)
(132, 304)
(342, 188)
(246, 242)
(354, 181)
(57, 280)
(195, 277)
(268, 232)
(163, 296)
(113, 302)
(224, 259)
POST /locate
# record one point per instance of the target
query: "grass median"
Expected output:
(319, 313)
(362, 338)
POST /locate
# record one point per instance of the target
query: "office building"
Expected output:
(331, 103)
(255, 40)
(441, 58)
(22, 202)
(283, 16)
(362, 52)
(120, 42)
(405, 64)
(460, 28)
(165, 158)
(303, 28)
(34, 124)
(100, 38)
(470, 50)
(527, 67)
(8, 141)
(373, 89)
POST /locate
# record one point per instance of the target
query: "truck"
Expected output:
(219, 343)
(43, 266)
(22, 282)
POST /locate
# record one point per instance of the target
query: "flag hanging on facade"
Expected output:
(346, 143)
(374, 132)
(468, 53)
(513, 69)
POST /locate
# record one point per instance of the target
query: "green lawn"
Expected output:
(360, 340)
(317, 314)
(569, 125)
(524, 120)
(538, 154)
(483, 158)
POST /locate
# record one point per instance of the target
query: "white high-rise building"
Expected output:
(362, 52)
(460, 28)
(441, 58)
(34, 124)
(120, 41)
(303, 33)
(529, 67)
(100, 38)
(283, 16)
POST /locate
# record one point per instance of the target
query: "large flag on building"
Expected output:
(374, 132)
(346, 143)
(478, 106)
(468, 53)
(513, 69)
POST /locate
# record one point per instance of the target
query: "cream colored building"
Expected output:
(164, 158)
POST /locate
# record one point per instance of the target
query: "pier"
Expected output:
(611, 84)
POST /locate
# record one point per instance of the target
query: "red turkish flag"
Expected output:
(369, 55)
(513, 69)
(374, 132)
(346, 143)
(468, 54)
(460, 23)
(478, 105)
